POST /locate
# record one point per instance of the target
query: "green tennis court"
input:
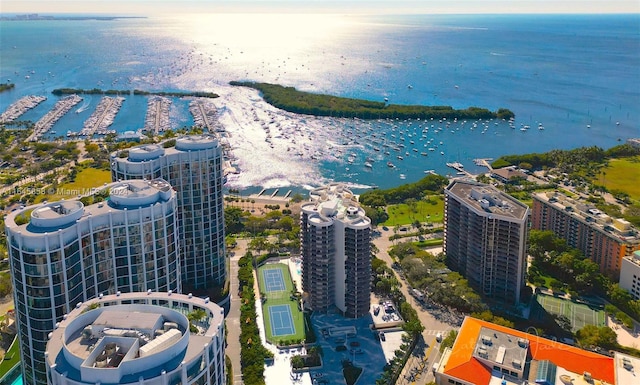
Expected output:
(578, 314)
(283, 319)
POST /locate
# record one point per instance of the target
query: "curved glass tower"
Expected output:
(141, 339)
(68, 253)
(193, 167)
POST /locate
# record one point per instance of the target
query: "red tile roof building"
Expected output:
(484, 353)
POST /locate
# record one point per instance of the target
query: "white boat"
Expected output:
(389, 164)
(368, 165)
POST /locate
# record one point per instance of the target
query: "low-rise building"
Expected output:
(507, 174)
(485, 353)
(138, 338)
(634, 142)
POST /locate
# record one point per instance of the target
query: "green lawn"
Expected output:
(86, 179)
(402, 214)
(429, 242)
(11, 358)
(280, 298)
(622, 174)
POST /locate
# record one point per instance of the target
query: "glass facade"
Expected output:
(108, 249)
(193, 167)
(189, 357)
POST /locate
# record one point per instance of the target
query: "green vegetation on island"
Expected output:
(6, 86)
(98, 91)
(292, 100)
(200, 94)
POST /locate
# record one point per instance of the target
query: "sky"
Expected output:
(151, 7)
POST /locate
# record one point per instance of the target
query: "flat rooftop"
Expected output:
(501, 348)
(127, 332)
(590, 215)
(627, 369)
(52, 216)
(488, 199)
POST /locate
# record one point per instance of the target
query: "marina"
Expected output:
(102, 117)
(21, 106)
(157, 118)
(250, 131)
(45, 123)
(204, 114)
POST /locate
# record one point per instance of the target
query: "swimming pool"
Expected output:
(18, 381)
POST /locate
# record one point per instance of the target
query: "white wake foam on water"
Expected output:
(272, 148)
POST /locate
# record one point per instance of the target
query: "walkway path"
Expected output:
(233, 318)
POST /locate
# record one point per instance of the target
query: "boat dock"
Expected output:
(157, 118)
(459, 167)
(102, 117)
(271, 195)
(483, 162)
(21, 106)
(205, 115)
(45, 123)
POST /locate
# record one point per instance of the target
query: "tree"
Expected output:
(448, 341)
(258, 244)
(233, 220)
(285, 223)
(412, 204)
(591, 336)
(256, 224)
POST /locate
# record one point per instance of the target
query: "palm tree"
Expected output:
(195, 316)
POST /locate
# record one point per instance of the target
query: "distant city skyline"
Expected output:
(148, 7)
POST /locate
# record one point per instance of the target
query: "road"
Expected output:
(418, 367)
(233, 318)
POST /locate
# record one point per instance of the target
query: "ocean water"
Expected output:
(577, 76)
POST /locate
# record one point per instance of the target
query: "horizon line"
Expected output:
(315, 11)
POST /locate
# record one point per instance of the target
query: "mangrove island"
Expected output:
(292, 100)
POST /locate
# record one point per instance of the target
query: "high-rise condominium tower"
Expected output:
(485, 238)
(193, 167)
(139, 339)
(335, 245)
(67, 253)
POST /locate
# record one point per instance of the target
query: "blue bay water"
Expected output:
(576, 75)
